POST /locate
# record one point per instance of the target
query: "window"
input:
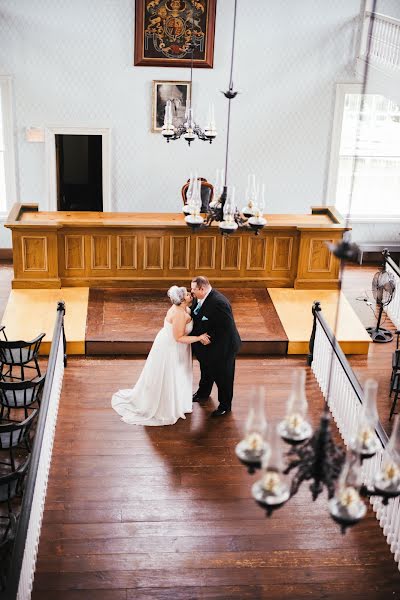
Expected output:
(365, 158)
(7, 169)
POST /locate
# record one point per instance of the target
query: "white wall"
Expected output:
(72, 65)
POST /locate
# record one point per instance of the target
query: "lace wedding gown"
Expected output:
(163, 392)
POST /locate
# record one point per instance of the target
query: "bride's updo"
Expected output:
(176, 294)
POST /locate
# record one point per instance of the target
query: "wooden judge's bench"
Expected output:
(96, 249)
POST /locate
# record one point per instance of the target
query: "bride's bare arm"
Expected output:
(178, 328)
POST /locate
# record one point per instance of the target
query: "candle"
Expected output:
(294, 423)
(255, 442)
(349, 499)
(272, 483)
(391, 472)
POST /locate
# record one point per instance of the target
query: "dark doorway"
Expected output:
(79, 172)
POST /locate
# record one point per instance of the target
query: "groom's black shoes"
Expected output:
(197, 398)
(219, 412)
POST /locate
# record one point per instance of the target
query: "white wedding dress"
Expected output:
(163, 392)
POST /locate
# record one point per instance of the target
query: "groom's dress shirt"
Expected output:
(200, 303)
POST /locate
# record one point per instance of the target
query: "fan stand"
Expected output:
(379, 334)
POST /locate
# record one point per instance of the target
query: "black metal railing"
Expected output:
(348, 371)
(29, 488)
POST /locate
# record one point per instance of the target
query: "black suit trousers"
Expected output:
(223, 374)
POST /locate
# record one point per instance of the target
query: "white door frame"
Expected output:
(50, 150)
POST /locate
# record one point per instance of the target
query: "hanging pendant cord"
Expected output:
(230, 95)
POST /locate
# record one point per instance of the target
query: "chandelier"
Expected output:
(223, 210)
(316, 458)
(189, 128)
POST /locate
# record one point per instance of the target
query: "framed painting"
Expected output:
(166, 31)
(176, 91)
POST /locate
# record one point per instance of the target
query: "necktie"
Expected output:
(198, 306)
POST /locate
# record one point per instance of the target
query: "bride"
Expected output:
(163, 392)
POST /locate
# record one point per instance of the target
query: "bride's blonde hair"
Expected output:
(177, 294)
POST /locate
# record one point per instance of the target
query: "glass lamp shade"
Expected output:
(229, 225)
(187, 207)
(168, 129)
(295, 427)
(366, 443)
(210, 129)
(253, 447)
(218, 187)
(387, 480)
(346, 507)
(194, 219)
(251, 196)
(273, 489)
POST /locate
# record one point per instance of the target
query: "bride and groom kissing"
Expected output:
(200, 320)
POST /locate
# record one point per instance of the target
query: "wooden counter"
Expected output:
(58, 249)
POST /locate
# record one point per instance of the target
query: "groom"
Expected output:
(212, 314)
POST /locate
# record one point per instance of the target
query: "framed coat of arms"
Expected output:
(167, 30)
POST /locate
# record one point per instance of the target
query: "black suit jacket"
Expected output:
(215, 318)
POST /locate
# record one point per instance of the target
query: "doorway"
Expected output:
(79, 172)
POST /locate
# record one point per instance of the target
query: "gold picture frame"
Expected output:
(179, 92)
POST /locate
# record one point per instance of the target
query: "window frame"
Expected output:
(341, 90)
(9, 146)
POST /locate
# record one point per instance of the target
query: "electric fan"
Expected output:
(383, 289)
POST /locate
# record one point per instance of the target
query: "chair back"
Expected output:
(9, 482)
(19, 352)
(396, 360)
(206, 192)
(14, 433)
(21, 394)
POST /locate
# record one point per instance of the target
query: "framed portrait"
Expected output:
(176, 91)
(167, 30)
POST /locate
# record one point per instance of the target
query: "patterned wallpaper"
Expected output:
(72, 65)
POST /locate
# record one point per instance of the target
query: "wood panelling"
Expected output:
(317, 267)
(119, 250)
(74, 252)
(231, 253)
(320, 257)
(256, 253)
(179, 251)
(153, 252)
(282, 253)
(126, 252)
(101, 252)
(205, 252)
(34, 253)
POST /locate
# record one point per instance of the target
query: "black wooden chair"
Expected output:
(395, 363)
(20, 394)
(19, 354)
(11, 486)
(14, 436)
(3, 331)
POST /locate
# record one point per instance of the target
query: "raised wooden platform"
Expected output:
(126, 321)
(122, 321)
(30, 312)
(294, 310)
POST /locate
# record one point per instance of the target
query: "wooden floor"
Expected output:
(136, 512)
(166, 513)
(122, 321)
